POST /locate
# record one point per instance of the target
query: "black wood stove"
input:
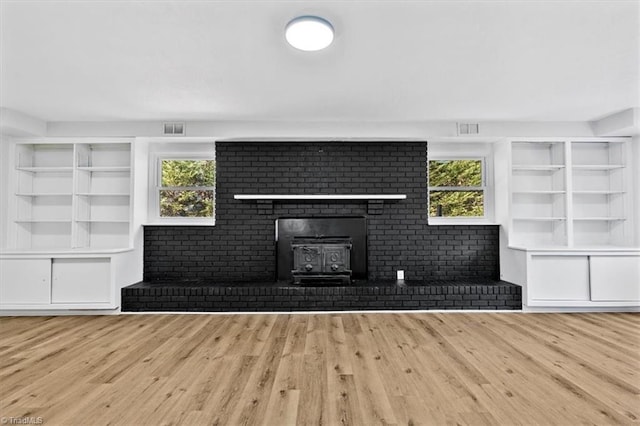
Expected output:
(321, 259)
(324, 241)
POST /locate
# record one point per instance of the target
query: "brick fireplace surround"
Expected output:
(183, 264)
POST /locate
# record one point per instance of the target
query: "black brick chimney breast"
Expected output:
(241, 246)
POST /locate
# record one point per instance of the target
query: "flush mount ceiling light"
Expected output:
(309, 33)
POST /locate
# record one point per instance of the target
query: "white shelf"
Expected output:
(44, 194)
(102, 220)
(599, 219)
(540, 219)
(320, 197)
(43, 221)
(603, 167)
(105, 169)
(541, 192)
(61, 252)
(540, 167)
(102, 194)
(604, 192)
(564, 251)
(45, 169)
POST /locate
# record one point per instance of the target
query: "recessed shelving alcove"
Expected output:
(70, 195)
(569, 193)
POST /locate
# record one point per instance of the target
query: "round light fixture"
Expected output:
(309, 33)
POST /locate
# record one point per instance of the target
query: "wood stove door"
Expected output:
(337, 259)
(307, 259)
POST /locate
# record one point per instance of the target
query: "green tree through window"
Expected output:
(187, 188)
(456, 188)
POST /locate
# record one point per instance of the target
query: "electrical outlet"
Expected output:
(400, 274)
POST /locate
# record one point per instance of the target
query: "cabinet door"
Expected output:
(559, 278)
(25, 281)
(615, 278)
(81, 280)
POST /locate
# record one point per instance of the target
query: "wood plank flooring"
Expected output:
(322, 369)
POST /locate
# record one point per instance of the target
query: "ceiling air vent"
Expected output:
(468, 128)
(173, 129)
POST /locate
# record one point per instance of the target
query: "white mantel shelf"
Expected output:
(273, 197)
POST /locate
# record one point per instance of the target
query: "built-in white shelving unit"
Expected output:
(538, 193)
(69, 238)
(71, 195)
(570, 224)
(598, 193)
(569, 193)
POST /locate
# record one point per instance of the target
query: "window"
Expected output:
(457, 188)
(184, 191)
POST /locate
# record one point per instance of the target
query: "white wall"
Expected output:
(4, 188)
(635, 161)
(15, 123)
(338, 130)
(622, 123)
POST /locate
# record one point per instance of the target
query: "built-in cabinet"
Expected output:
(570, 227)
(69, 224)
(67, 281)
(582, 278)
(25, 281)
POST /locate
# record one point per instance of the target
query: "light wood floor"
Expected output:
(353, 369)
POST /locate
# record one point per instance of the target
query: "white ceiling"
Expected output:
(390, 61)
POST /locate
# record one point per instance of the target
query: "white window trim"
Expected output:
(155, 179)
(487, 187)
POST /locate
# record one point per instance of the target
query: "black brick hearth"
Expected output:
(201, 296)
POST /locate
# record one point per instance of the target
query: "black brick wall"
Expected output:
(241, 245)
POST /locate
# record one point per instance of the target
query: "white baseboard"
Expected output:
(56, 312)
(553, 309)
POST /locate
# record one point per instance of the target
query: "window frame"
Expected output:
(155, 187)
(486, 188)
